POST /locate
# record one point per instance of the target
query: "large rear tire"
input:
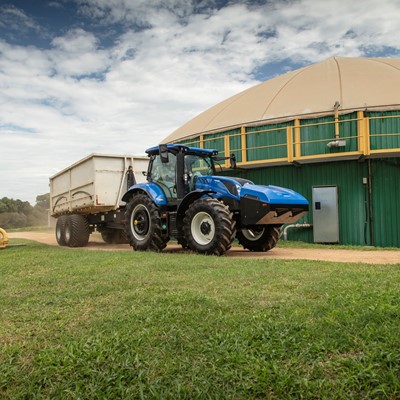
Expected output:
(142, 224)
(76, 231)
(60, 227)
(260, 238)
(209, 227)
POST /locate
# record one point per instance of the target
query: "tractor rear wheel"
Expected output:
(209, 227)
(76, 231)
(260, 238)
(142, 224)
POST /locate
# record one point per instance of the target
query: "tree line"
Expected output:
(20, 214)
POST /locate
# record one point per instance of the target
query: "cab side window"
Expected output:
(164, 175)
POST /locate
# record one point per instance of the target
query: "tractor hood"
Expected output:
(273, 195)
(260, 205)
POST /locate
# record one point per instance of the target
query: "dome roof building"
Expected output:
(330, 131)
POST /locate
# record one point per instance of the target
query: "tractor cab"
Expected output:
(175, 169)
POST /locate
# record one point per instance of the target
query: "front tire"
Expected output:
(209, 227)
(260, 238)
(142, 226)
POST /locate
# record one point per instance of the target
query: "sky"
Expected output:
(118, 76)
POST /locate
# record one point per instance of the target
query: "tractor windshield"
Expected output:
(196, 165)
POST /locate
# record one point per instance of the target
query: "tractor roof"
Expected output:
(186, 149)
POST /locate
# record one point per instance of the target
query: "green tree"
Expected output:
(19, 214)
(43, 201)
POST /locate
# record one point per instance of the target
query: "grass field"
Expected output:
(78, 324)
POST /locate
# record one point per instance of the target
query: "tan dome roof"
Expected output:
(356, 83)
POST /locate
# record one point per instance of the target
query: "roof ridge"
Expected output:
(382, 61)
(299, 71)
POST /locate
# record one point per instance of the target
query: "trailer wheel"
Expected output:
(76, 231)
(60, 227)
(142, 226)
(209, 227)
(260, 238)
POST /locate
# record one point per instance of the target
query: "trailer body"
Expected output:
(94, 184)
(90, 191)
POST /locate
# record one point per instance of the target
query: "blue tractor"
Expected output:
(184, 199)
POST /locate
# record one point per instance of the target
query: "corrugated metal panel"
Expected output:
(195, 142)
(267, 142)
(235, 145)
(217, 141)
(386, 201)
(384, 131)
(316, 133)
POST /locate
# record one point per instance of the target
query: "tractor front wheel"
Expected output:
(209, 227)
(142, 226)
(260, 238)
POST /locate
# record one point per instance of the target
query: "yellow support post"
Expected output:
(289, 143)
(3, 239)
(201, 138)
(227, 150)
(337, 133)
(297, 138)
(361, 132)
(244, 144)
(367, 137)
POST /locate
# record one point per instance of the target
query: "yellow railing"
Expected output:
(305, 142)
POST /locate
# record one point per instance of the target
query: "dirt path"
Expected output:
(339, 255)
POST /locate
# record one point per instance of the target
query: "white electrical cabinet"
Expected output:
(325, 214)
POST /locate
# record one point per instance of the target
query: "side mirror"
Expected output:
(163, 148)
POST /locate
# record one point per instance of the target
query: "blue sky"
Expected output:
(118, 76)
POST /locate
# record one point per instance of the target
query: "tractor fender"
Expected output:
(189, 199)
(152, 190)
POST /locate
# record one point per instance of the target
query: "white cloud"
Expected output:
(168, 64)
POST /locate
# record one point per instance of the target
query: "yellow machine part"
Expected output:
(3, 239)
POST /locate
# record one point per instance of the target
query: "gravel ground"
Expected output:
(336, 255)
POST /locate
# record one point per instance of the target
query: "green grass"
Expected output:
(79, 324)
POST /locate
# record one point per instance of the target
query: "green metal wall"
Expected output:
(354, 199)
(384, 131)
(317, 132)
(386, 201)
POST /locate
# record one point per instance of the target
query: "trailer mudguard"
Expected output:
(151, 189)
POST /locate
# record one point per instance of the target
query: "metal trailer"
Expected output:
(86, 197)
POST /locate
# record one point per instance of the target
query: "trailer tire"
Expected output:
(76, 231)
(209, 227)
(261, 238)
(142, 224)
(60, 228)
